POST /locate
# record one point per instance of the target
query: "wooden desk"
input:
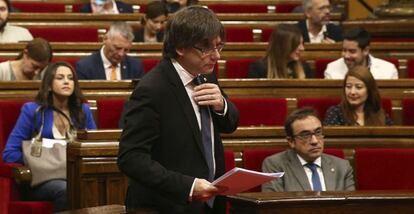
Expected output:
(94, 178)
(358, 202)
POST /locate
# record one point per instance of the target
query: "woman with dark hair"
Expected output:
(62, 108)
(361, 102)
(30, 63)
(282, 58)
(152, 23)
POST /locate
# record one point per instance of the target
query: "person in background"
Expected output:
(282, 58)
(152, 23)
(170, 147)
(10, 33)
(355, 51)
(106, 7)
(305, 165)
(112, 61)
(30, 63)
(316, 27)
(361, 102)
(59, 94)
(175, 5)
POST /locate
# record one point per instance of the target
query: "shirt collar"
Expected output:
(106, 62)
(323, 30)
(316, 162)
(184, 75)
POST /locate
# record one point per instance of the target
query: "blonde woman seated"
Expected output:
(282, 60)
(361, 102)
(30, 63)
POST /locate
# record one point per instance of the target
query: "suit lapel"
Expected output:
(101, 70)
(298, 171)
(123, 69)
(181, 94)
(328, 170)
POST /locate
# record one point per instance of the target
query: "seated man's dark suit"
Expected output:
(122, 7)
(334, 32)
(161, 148)
(92, 68)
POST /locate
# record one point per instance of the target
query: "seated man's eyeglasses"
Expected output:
(307, 135)
(211, 50)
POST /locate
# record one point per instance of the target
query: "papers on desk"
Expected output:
(238, 180)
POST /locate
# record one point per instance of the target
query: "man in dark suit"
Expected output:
(106, 6)
(112, 61)
(316, 27)
(305, 165)
(170, 147)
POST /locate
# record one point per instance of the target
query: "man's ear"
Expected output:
(366, 51)
(291, 142)
(180, 51)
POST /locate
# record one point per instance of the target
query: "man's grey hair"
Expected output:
(122, 28)
(307, 4)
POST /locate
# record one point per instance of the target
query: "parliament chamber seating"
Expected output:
(238, 68)
(320, 66)
(408, 111)
(149, 64)
(68, 34)
(10, 197)
(320, 104)
(109, 112)
(384, 168)
(252, 8)
(261, 111)
(410, 68)
(38, 7)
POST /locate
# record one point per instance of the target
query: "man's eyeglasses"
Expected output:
(209, 51)
(307, 135)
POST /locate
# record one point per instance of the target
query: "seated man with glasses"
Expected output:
(305, 165)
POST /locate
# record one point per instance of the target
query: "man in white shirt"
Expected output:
(355, 51)
(316, 27)
(10, 33)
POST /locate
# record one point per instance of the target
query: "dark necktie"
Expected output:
(316, 182)
(206, 137)
(206, 133)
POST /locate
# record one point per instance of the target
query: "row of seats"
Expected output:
(374, 168)
(239, 68)
(44, 7)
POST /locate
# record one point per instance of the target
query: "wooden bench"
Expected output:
(92, 167)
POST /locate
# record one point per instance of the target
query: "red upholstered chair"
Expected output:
(261, 111)
(238, 68)
(320, 66)
(229, 159)
(253, 159)
(408, 111)
(238, 8)
(71, 60)
(239, 34)
(149, 64)
(266, 33)
(320, 104)
(9, 194)
(39, 7)
(382, 169)
(66, 34)
(286, 7)
(109, 112)
(410, 68)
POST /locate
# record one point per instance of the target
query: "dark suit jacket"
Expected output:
(92, 68)
(337, 173)
(161, 149)
(334, 31)
(258, 69)
(122, 7)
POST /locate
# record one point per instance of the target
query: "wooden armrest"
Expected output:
(22, 174)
